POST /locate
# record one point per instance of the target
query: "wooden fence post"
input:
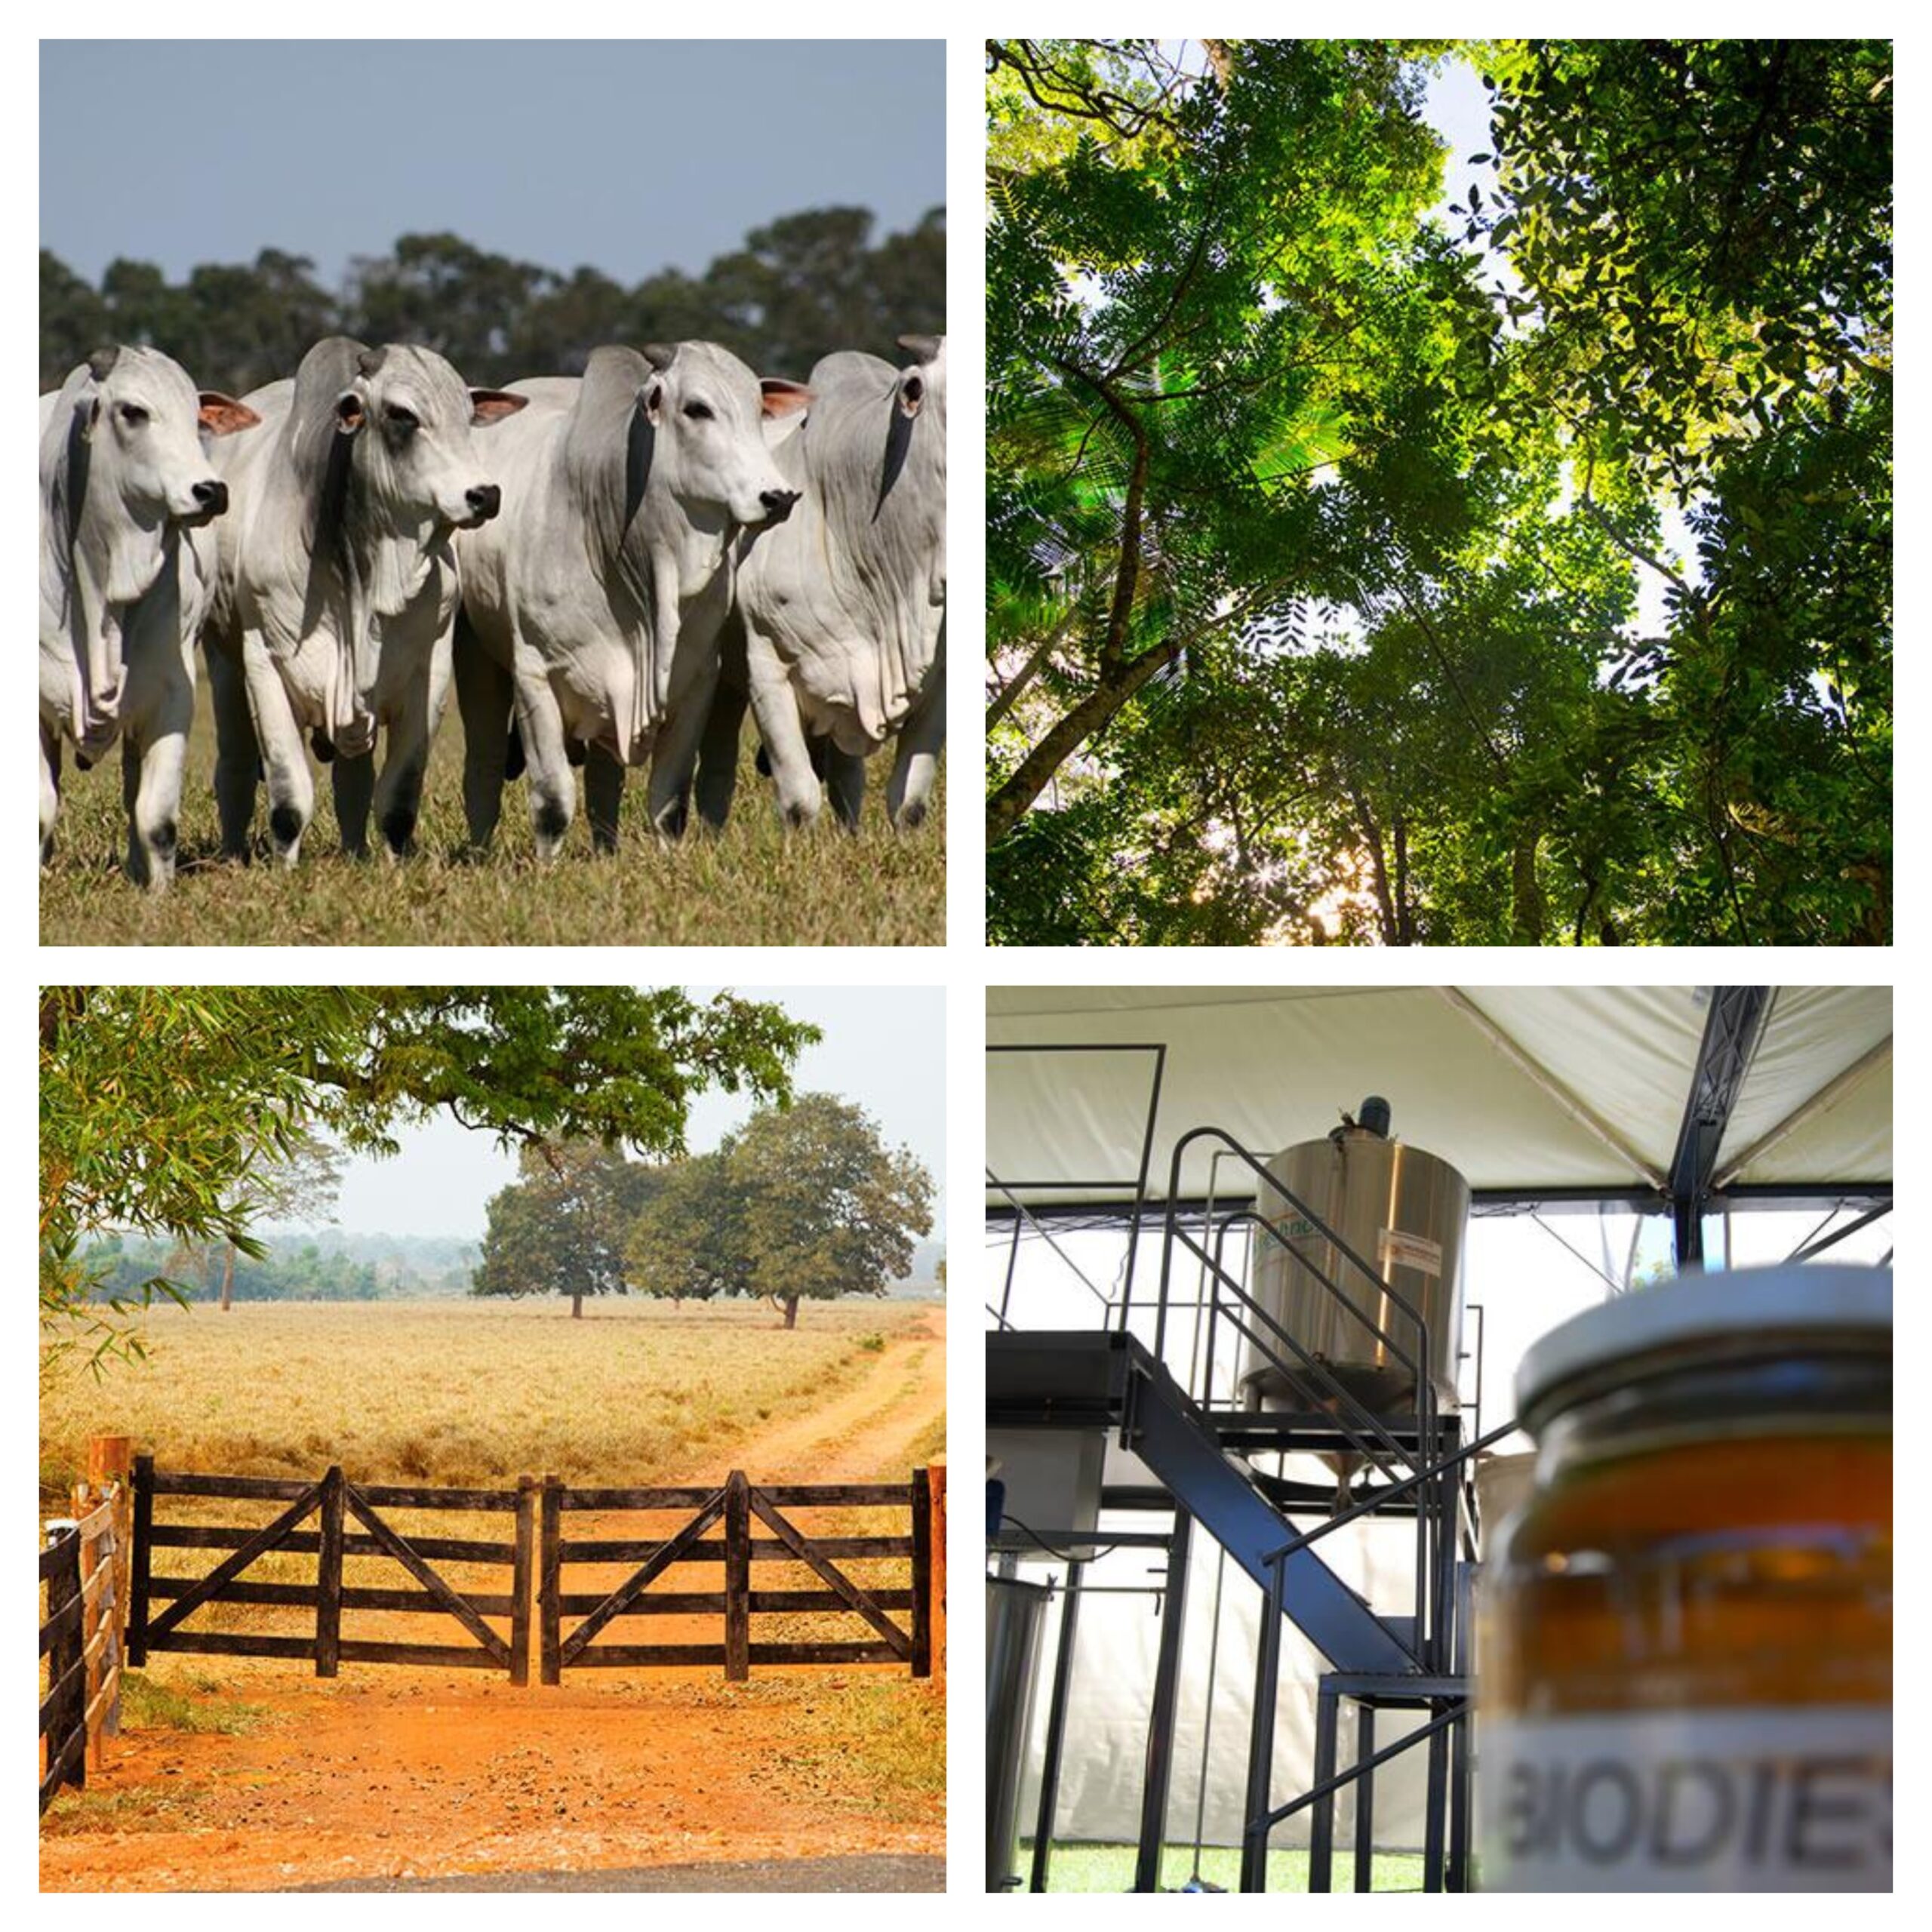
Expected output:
(328, 1577)
(111, 1474)
(737, 1578)
(922, 1576)
(143, 1561)
(66, 1674)
(550, 1584)
(935, 1490)
(521, 1579)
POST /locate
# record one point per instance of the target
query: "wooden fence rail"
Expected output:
(80, 1639)
(163, 1603)
(731, 1509)
(899, 1622)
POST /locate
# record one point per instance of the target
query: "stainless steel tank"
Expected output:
(1404, 1213)
(1014, 1613)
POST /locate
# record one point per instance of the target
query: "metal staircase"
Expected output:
(1200, 1455)
(1082, 1380)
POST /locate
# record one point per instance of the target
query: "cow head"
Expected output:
(417, 455)
(146, 429)
(704, 410)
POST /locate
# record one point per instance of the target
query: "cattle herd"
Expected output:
(611, 568)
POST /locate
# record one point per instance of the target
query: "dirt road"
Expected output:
(388, 1774)
(868, 1434)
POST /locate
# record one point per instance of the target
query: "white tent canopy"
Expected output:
(1532, 1090)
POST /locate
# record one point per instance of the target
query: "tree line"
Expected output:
(796, 289)
(805, 1203)
(298, 1270)
(1359, 572)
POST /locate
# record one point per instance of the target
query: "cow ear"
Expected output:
(488, 406)
(349, 416)
(782, 397)
(650, 400)
(922, 347)
(223, 416)
(912, 393)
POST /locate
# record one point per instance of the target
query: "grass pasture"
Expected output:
(466, 1393)
(753, 885)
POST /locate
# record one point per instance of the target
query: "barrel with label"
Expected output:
(1684, 1635)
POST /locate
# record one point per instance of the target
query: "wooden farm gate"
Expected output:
(79, 1638)
(349, 1523)
(732, 1510)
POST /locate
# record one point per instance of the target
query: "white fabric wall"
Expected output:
(1113, 1689)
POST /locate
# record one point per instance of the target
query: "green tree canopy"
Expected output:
(806, 1203)
(561, 1228)
(689, 1242)
(1326, 532)
(160, 1106)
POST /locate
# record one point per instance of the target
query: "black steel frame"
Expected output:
(1731, 1030)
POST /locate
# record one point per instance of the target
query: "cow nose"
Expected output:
(211, 497)
(777, 504)
(486, 499)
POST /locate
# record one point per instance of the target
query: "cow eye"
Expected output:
(698, 412)
(134, 415)
(403, 419)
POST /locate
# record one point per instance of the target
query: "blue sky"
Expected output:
(884, 1046)
(628, 156)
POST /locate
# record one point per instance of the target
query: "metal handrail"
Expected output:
(1023, 1212)
(1300, 1542)
(1429, 1534)
(1320, 1367)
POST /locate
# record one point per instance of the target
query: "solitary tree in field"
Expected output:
(155, 1101)
(804, 1204)
(830, 1208)
(561, 1228)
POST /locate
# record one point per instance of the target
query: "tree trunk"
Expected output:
(1010, 803)
(227, 1276)
(791, 1311)
(1526, 907)
(576, 1308)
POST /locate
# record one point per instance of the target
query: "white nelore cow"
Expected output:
(338, 586)
(592, 608)
(126, 484)
(838, 631)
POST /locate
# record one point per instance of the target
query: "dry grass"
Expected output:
(470, 1393)
(142, 1807)
(753, 886)
(894, 1727)
(193, 1703)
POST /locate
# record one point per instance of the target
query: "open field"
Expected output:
(251, 1773)
(753, 885)
(471, 1392)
